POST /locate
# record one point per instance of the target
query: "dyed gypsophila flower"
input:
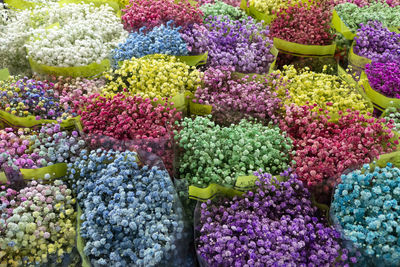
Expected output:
(87, 37)
(274, 225)
(163, 39)
(384, 77)
(36, 223)
(299, 22)
(152, 13)
(26, 97)
(141, 125)
(377, 43)
(220, 8)
(215, 154)
(31, 149)
(131, 215)
(324, 149)
(233, 99)
(242, 44)
(354, 16)
(366, 207)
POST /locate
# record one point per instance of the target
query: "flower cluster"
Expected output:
(233, 99)
(87, 37)
(276, 225)
(384, 77)
(392, 114)
(163, 39)
(73, 91)
(219, 8)
(242, 44)
(354, 16)
(325, 90)
(31, 97)
(151, 13)
(269, 7)
(36, 223)
(324, 150)
(366, 206)
(303, 24)
(131, 215)
(153, 76)
(132, 119)
(214, 154)
(376, 42)
(30, 149)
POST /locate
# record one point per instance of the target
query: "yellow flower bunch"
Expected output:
(329, 92)
(267, 6)
(153, 76)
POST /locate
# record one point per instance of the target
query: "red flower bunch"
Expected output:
(324, 149)
(130, 122)
(151, 13)
(304, 24)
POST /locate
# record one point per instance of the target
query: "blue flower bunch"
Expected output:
(131, 215)
(164, 39)
(366, 207)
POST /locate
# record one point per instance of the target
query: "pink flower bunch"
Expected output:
(151, 13)
(72, 91)
(130, 122)
(304, 24)
(324, 149)
(233, 99)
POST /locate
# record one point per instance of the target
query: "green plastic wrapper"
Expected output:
(304, 50)
(90, 70)
(356, 60)
(20, 4)
(9, 120)
(4, 74)
(112, 3)
(341, 27)
(195, 61)
(55, 171)
(380, 101)
(242, 185)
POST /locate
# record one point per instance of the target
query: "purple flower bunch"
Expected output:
(240, 98)
(384, 78)
(378, 43)
(274, 225)
(243, 44)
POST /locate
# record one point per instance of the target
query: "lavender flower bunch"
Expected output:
(275, 225)
(239, 98)
(384, 77)
(242, 44)
(131, 216)
(366, 207)
(376, 42)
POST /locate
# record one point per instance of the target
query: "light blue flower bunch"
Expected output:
(131, 215)
(366, 207)
(164, 39)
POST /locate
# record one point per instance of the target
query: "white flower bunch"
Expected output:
(84, 34)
